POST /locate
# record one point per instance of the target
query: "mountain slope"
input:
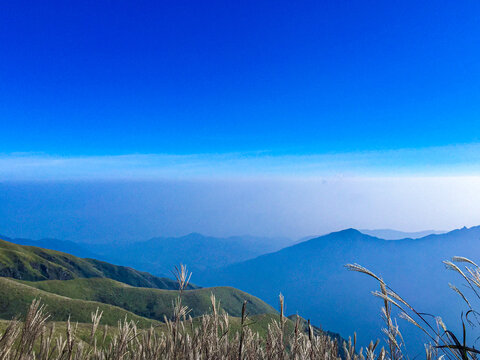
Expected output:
(153, 303)
(93, 280)
(83, 286)
(15, 298)
(35, 264)
(65, 246)
(314, 281)
(160, 255)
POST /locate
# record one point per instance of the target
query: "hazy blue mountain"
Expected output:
(389, 234)
(199, 252)
(314, 281)
(386, 234)
(160, 255)
(66, 246)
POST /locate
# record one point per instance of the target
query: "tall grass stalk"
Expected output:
(443, 343)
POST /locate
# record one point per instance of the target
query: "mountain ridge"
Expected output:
(160, 254)
(25, 262)
(391, 234)
(153, 303)
(312, 277)
(83, 294)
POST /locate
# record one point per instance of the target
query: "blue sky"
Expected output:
(97, 78)
(127, 120)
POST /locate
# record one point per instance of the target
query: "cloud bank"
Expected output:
(437, 161)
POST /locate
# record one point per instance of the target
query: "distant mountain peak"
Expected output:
(346, 233)
(194, 235)
(341, 235)
(349, 231)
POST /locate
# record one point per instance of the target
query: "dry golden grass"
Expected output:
(210, 337)
(444, 343)
(36, 338)
(213, 336)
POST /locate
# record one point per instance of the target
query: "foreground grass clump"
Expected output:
(443, 342)
(210, 337)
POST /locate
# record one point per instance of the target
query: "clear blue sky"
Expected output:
(186, 77)
(286, 118)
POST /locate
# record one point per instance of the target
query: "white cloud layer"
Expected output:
(445, 161)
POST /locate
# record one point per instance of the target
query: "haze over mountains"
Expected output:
(199, 252)
(73, 288)
(28, 272)
(66, 246)
(160, 255)
(311, 274)
(314, 280)
(389, 234)
(38, 264)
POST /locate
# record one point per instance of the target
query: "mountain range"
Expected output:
(73, 288)
(27, 272)
(36, 264)
(199, 252)
(312, 276)
(70, 247)
(389, 234)
(159, 255)
(313, 279)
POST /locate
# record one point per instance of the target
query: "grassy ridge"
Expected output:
(153, 303)
(75, 287)
(36, 264)
(15, 298)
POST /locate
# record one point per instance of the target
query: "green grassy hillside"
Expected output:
(91, 280)
(75, 287)
(153, 303)
(36, 264)
(15, 298)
